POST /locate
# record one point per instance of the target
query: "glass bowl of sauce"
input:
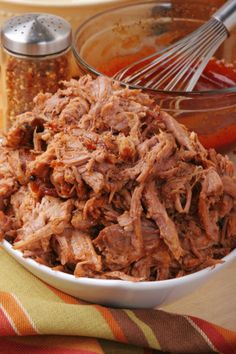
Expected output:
(111, 40)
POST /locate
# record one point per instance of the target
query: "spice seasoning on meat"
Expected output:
(36, 58)
(98, 181)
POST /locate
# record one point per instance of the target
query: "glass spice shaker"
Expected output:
(36, 56)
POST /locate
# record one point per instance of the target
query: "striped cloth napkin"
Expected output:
(30, 308)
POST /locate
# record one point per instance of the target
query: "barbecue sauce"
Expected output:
(217, 74)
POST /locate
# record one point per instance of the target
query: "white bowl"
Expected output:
(119, 293)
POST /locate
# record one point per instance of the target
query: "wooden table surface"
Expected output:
(215, 301)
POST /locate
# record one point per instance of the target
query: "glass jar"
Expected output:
(36, 57)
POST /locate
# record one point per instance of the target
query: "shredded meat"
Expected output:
(8, 180)
(212, 190)
(158, 213)
(5, 225)
(21, 133)
(99, 182)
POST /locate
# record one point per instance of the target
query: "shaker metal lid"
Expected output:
(36, 34)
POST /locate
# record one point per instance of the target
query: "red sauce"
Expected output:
(119, 62)
(217, 74)
(222, 140)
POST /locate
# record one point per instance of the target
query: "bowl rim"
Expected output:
(147, 285)
(150, 91)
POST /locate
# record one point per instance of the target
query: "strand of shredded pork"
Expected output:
(98, 182)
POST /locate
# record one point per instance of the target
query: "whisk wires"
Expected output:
(179, 66)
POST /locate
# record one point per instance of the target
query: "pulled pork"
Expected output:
(97, 181)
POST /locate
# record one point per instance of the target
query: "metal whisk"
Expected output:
(179, 66)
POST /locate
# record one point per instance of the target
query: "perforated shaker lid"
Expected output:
(36, 34)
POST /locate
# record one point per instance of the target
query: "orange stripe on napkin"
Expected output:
(229, 336)
(216, 338)
(18, 314)
(66, 298)
(113, 324)
(6, 327)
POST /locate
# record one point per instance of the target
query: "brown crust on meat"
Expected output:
(98, 182)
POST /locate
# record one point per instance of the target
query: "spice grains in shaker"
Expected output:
(26, 78)
(36, 57)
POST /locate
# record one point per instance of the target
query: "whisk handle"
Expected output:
(227, 14)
